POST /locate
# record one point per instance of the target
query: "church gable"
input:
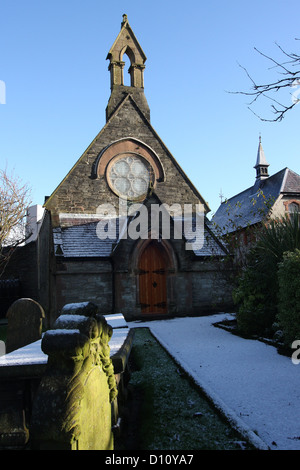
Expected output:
(127, 133)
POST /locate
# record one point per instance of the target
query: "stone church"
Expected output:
(127, 229)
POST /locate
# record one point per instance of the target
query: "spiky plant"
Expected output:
(257, 291)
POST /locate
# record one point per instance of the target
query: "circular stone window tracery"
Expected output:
(130, 175)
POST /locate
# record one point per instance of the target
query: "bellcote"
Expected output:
(126, 43)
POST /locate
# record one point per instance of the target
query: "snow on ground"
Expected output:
(255, 387)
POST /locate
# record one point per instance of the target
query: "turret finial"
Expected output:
(125, 20)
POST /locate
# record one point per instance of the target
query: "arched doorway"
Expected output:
(153, 279)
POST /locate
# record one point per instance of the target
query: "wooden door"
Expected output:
(152, 280)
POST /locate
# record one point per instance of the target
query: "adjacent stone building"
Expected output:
(271, 196)
(128, 229)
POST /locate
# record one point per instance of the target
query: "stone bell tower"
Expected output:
(126, 43)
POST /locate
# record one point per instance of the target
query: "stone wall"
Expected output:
(76, 280)
(195, 285)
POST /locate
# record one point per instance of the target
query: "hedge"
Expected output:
(289, 296)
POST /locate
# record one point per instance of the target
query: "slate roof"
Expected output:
(206, 242)
(82, 241)
(248, 207)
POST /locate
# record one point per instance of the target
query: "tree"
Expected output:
(288, 67)
(14, 201)
(257, 293)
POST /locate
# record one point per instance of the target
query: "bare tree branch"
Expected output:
(291, 79)
(14, 202)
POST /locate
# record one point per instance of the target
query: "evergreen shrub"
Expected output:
(289, 296)
(256, 295)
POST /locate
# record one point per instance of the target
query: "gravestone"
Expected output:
(72, 408)
(87, 309)
(83, 358)
(25, 321)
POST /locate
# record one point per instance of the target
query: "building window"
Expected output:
(130, 175)
(293, 208)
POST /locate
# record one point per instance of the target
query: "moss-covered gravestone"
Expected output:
(72, 409)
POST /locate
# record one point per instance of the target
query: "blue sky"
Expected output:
(53, 63)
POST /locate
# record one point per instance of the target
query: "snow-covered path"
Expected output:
(258, 389)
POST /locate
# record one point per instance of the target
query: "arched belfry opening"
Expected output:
(127, 58)
(126, 78)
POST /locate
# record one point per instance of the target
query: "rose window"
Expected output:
(130, 176)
